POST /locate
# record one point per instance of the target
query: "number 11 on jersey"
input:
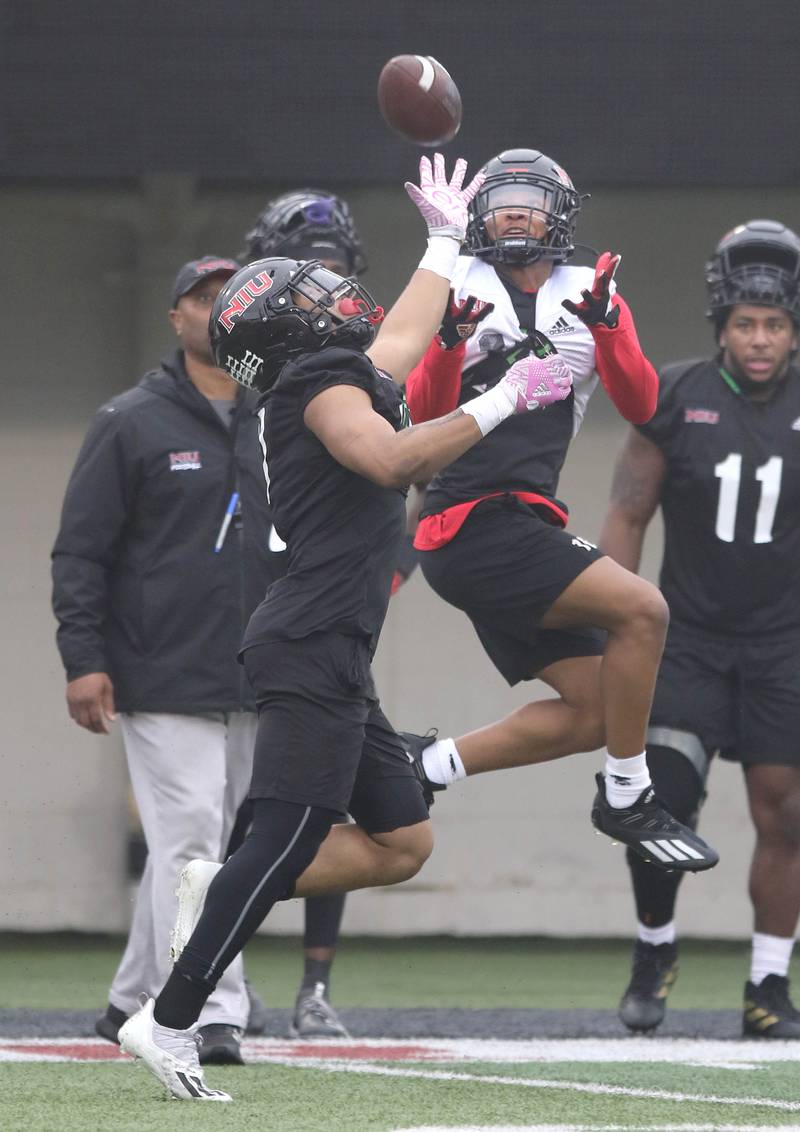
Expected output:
(729, 473)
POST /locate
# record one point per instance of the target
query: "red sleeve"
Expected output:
(627, 376)
(434, 385)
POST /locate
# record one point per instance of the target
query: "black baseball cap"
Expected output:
(198, 269)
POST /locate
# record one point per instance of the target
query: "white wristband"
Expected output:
(441, 256)
(490, 408)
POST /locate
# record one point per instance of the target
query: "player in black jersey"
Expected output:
(305, 224)
(721, 456)
(544, 602)
(337, 457)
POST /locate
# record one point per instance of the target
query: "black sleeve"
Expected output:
(666, 421)
(333, 366)
(94, 513)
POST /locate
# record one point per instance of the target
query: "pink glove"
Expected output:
(534, 383)
(444, 206)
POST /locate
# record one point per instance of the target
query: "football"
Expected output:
(419, 100)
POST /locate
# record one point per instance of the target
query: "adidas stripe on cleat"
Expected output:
(652, 832)
(768, 1010)
(655, 969)
(170, 1055)
(191, 892)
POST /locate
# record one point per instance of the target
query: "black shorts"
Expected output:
(740, 697)
(322, 738)
(505, 568)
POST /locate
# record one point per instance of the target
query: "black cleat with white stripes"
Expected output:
(652, 832)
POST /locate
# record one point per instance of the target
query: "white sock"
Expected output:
(443, 763)
(770, 956)
(656, 936)
(626, 779)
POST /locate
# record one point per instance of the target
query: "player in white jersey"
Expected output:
(545, 604)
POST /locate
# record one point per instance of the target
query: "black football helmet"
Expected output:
(532, 181)
(276, 309)
(307, 224)
(757, 263)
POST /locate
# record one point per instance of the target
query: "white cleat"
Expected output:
(191, 892)
(170, 1055)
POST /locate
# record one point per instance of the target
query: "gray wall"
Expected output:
(84, 289)
(670, 92)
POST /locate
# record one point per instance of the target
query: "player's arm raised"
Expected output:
(635, 493)
(417, 314)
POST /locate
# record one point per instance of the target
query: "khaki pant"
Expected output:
(189, 773)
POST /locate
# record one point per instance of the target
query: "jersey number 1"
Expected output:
(729, 472)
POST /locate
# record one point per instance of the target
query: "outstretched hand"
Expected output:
(460, 320)
(595, 308)
(444, 205)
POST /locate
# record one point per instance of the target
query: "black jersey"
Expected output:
(730, 500)
(342, 530)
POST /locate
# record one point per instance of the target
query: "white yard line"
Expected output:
(538, 1083)
(604, 1128)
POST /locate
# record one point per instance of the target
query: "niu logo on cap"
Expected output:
(244, 298)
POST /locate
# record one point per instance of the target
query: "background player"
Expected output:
(721, 456)
(491, 529)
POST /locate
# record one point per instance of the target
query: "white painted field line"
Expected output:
(603, 1128)
(537, 1083)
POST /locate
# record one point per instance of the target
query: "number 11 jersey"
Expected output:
(730, 501)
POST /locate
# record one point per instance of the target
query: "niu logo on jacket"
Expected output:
(244, 297)
(184, 461)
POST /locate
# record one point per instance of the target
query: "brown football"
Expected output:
(419, 100)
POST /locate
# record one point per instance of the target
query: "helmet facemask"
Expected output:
(534, 204)
(357, 318)
(757, 264)
(276, 309)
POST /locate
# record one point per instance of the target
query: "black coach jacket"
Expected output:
(138, 590)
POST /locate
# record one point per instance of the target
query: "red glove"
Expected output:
(594, 309)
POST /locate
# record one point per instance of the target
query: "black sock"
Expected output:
(323, 920)
(678, 785)
(316, 971)
(180, 1001)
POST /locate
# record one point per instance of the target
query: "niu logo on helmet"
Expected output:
(244, 297)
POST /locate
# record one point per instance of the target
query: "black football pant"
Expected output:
(283, 840)
(678, 785)
(323, 917)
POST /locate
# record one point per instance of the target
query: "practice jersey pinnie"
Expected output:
(730, 500)
(342, 531)
(527, 452)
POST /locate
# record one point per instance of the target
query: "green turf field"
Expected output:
(74, 971)
(621, 1084)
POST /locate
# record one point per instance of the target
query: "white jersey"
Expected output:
(568, 334)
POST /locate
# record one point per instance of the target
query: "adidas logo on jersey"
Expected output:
(561, 326)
